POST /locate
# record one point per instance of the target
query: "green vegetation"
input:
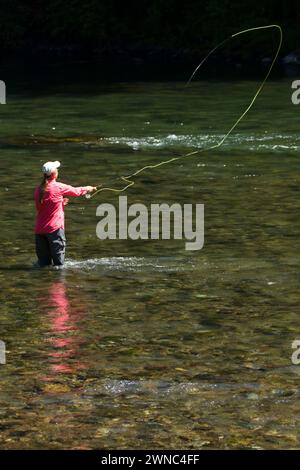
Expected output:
(93, 25)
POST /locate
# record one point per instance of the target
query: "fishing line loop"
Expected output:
(127, 179)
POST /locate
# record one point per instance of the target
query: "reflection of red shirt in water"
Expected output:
(50, 214)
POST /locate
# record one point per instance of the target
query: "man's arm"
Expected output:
(68, 190)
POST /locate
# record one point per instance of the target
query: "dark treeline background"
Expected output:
(138, 30)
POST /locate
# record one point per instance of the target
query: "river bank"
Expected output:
(139, 62)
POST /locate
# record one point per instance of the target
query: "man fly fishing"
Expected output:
(50, 200)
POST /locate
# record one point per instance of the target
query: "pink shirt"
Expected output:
(50, 214)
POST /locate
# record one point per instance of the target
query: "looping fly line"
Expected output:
(128, 179)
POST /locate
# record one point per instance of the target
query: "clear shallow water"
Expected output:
(142, 344)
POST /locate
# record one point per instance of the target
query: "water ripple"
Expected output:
(129, 264)
(276, 142)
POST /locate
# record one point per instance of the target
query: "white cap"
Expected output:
(50, 167)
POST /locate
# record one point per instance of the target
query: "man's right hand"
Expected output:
(90, 189)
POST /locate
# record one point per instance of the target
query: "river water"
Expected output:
(142, 344)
